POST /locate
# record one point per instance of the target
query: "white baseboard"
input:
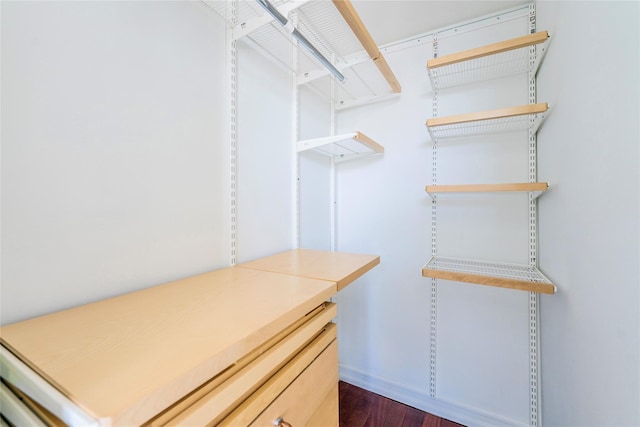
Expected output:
(419, 399)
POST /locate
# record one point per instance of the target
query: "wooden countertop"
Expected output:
(340, 267)
(126, 358)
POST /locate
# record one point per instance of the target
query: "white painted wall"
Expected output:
(314, 169)
(265, 157)
(115, 158)
(589, 221)
(112, 177)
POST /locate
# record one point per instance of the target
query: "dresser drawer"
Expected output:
(297, 390)
(305, 396)
(222, 394)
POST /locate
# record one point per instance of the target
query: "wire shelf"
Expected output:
(498, 274)
(488, 62)
(342, 147)
(336, 33)
(494, 121)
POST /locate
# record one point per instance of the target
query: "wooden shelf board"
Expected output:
(479, 188)
(488, 115)
(540, 285)
(477, 279)
(492, 49)
(340, 267)
(350, 15)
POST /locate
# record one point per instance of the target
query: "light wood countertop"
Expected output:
(340, 267)
(126, 358)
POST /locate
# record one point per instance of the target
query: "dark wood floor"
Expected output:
(361, 408)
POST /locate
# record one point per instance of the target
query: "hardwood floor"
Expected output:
(361, 408)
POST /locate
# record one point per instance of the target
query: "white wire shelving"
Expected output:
(487, 62)
(333, 28)
(342, 147)
(498, 274)
(519, 55)
(509, 119)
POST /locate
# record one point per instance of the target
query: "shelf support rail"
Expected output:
(433, 322)
(232, 95)
(534, 322)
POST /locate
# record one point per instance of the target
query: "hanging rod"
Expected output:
(291, 29)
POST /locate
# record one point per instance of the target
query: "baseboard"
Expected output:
(419, 399)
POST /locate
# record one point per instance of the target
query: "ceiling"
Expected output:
(390, 21)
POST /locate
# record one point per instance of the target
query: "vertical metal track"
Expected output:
(333, 189)
(295, 132)
(534, 360)
(233, 132)
(433, 329)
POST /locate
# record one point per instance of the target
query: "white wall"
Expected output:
(589, 221)
(115, 153)
(314, 169)
(265, 157)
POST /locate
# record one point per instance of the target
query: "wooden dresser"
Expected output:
(246, 345)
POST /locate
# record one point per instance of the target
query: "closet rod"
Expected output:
(271, 10)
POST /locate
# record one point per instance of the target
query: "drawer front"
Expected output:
(327, 414)
(212, 406)
(264, 397)
(305, 396)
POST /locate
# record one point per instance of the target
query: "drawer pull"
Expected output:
(279, 422)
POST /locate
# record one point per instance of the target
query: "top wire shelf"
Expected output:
(335, 31)
(487, 62)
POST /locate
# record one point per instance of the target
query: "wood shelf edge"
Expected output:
(492, 49)
(358, 273)
(364, 139)
(350, 15)
(488, 115)
(481, 188)
(522, 285)
(317, 143)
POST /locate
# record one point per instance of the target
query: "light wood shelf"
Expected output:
(492, 121)
(502, 275)
(536, 188)
(339, 267)
(486, 62)
(352, 18)
(342, 147)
